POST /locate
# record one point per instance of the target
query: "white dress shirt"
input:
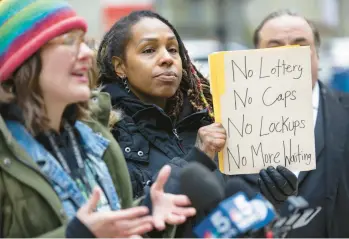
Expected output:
(316, 99)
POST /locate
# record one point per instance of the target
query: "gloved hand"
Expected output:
(277, 184)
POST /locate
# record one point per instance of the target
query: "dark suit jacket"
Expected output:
(327, 185)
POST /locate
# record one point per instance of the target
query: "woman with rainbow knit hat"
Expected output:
(57, 165)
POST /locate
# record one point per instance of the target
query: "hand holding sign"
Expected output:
(211, 139)
(263, 98)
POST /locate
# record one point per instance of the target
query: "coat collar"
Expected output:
(24, 169)
(136, 109)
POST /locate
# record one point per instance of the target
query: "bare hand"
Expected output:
(123, 223)
(168, 208)
(211, 139)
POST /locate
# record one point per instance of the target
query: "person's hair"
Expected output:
(193, 83)
(23, 89)
(285, 12)
(93, 73)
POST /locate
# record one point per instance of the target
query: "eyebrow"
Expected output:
(275, 42)
(154, 39)
(300, 39)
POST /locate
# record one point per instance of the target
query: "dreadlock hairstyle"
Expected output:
(193, 83)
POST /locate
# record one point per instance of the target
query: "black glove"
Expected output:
(277, 184)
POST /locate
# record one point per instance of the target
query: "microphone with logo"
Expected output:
(298, 214)
(251, 213)
(234, 216)
(243, 213)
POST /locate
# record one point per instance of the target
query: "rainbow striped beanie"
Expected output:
(26, 25)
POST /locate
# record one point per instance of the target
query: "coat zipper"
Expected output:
(175, 133)
(178, 139)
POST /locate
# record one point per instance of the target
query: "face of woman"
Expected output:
(152, 63)
(66, 61)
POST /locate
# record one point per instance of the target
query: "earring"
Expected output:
(125, 82)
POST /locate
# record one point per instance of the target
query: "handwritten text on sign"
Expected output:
(267, 110)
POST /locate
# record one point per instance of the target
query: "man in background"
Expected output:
(327, 186)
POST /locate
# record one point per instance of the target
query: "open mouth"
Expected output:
(78, 74)
(81, 77)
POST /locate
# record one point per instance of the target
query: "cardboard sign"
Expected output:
(263, 98)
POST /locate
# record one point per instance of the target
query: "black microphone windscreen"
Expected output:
(235, 185)
(201, 186)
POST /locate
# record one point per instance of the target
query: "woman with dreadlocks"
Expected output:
(166, 105)
(165, 101)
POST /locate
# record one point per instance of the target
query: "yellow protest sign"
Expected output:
(263, 98)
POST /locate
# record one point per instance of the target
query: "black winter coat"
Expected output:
(150, 139)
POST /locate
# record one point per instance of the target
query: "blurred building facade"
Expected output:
(203, 18)
(227, 20)
(228, 24)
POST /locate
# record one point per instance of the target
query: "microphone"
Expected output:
(236, 185)
(237, 210)
(201, 186)
(299, 214)
(234, 215)
(203, 189)
(243, 213)
(263, 209)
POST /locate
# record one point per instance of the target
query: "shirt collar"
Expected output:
(316, 96)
